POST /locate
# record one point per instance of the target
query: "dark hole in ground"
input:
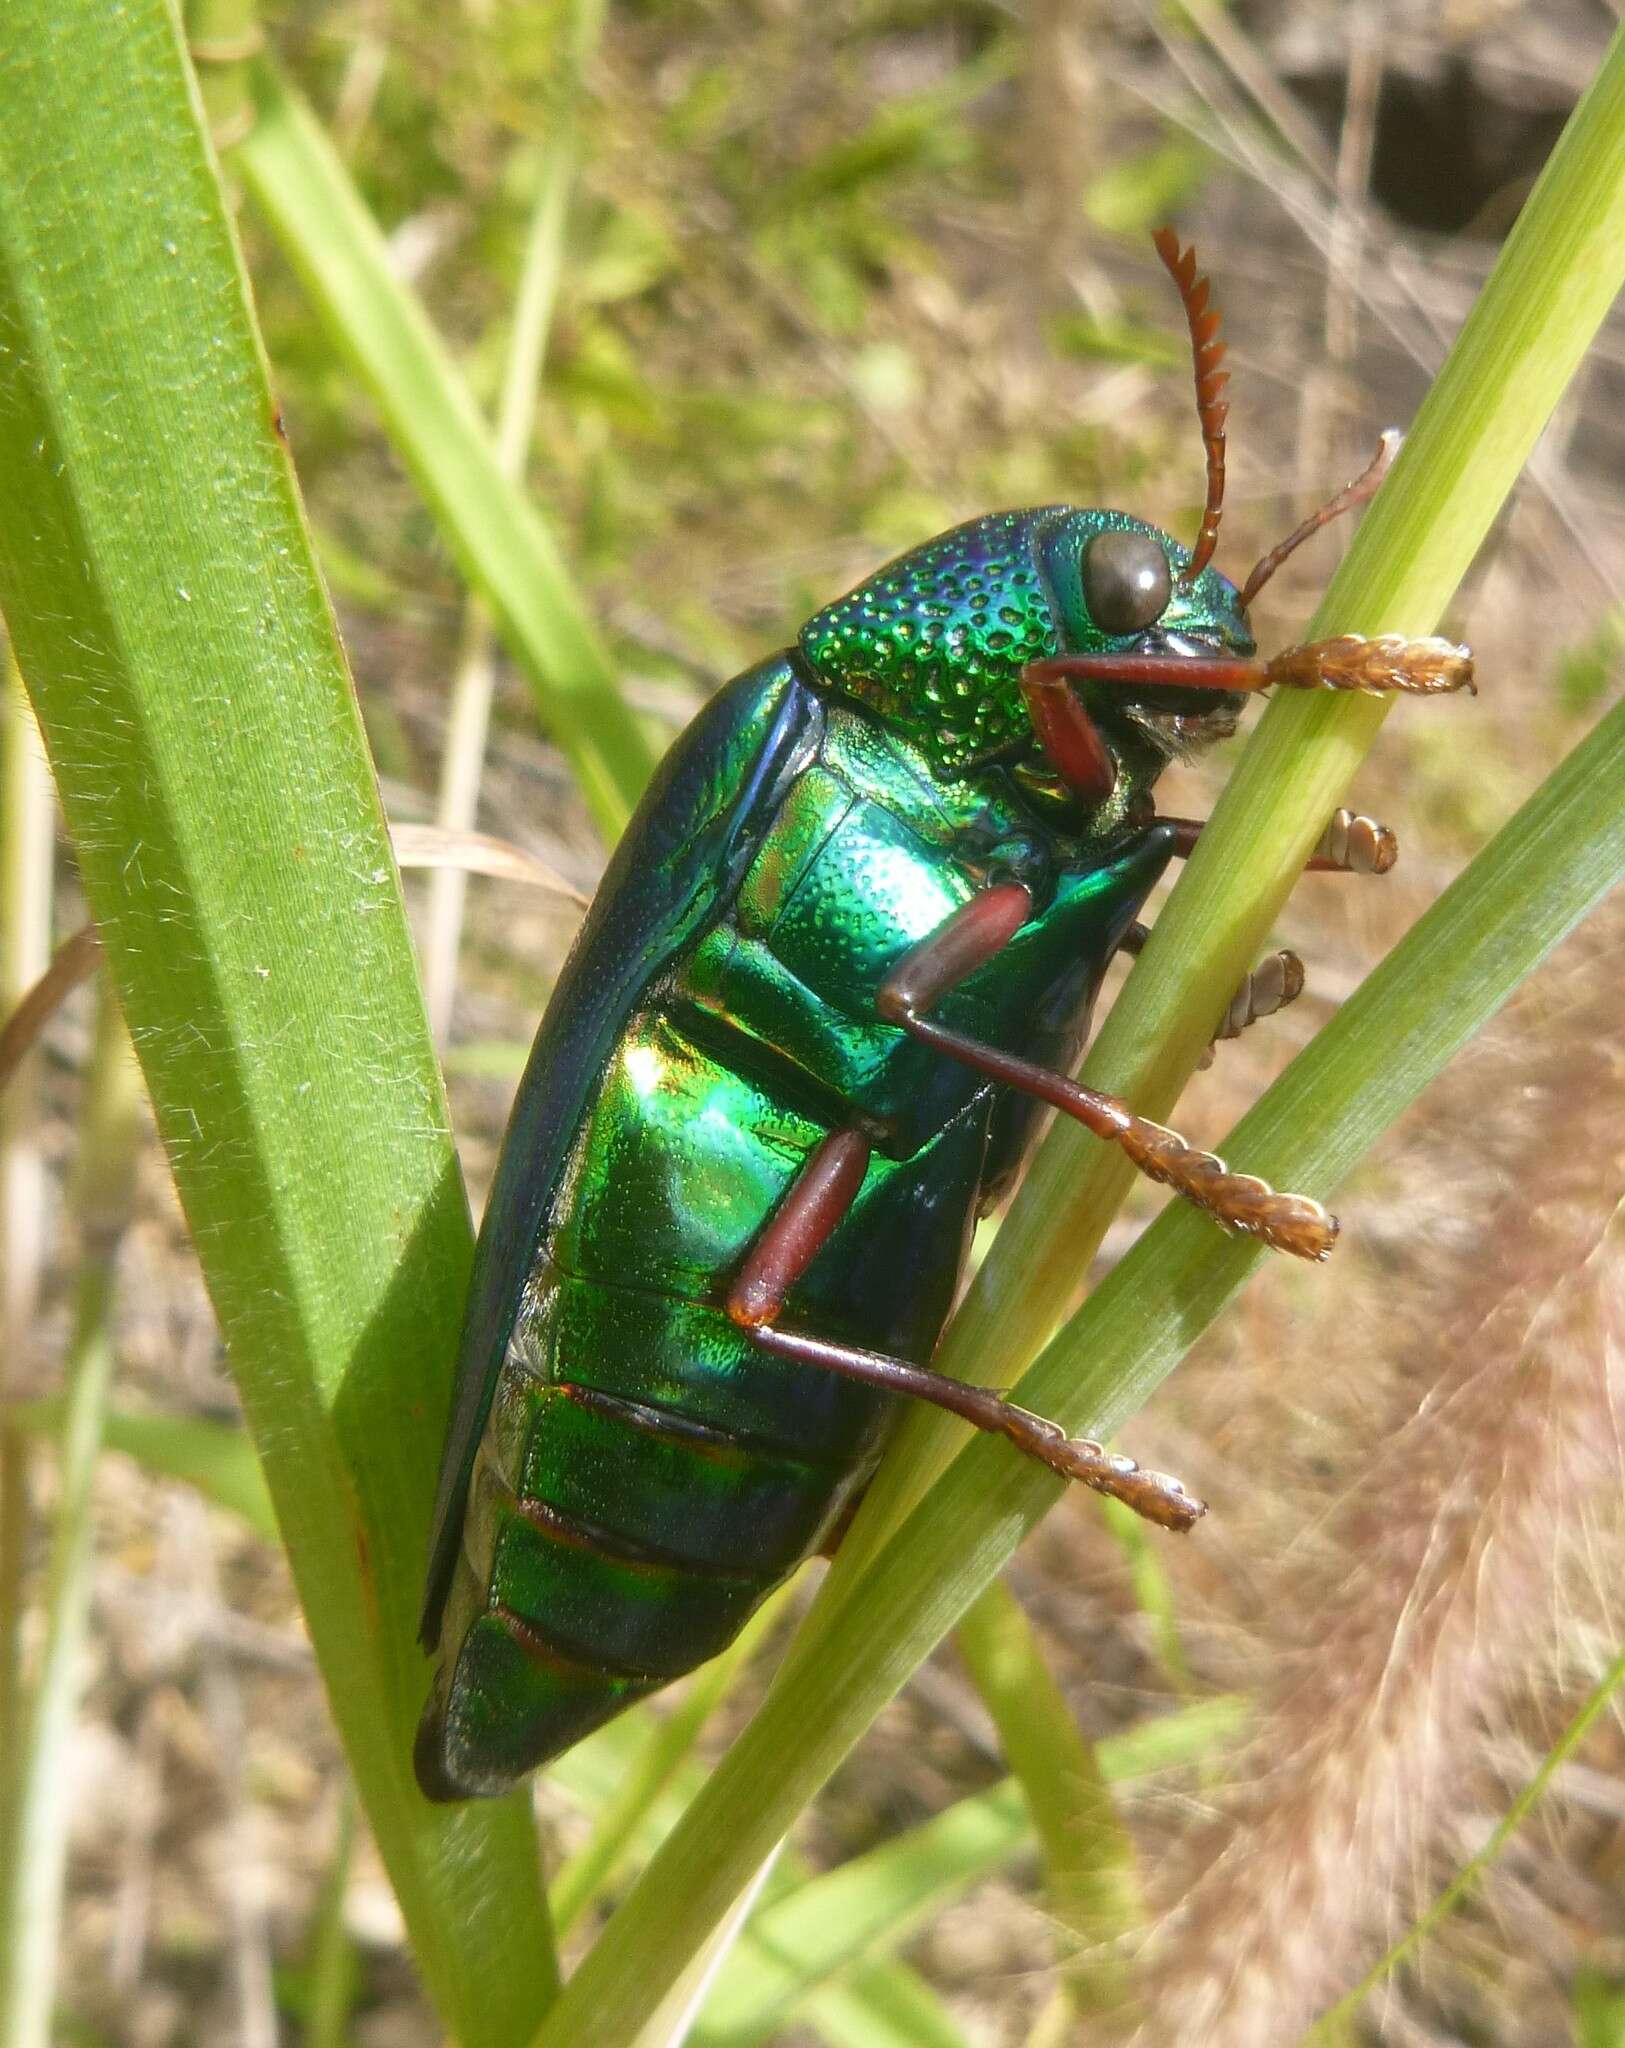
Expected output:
(1457, 147)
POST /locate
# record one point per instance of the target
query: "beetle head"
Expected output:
(935, 645)
(1121, 586)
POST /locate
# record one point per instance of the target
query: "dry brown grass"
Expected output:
(1456, 1559)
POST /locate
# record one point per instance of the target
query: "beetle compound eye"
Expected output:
(1126, 581)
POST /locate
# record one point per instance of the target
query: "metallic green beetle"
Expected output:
(838, 963)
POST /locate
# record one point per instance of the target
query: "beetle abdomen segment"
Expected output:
(513, 1700)
(633, 1500)
(635, 1616)
(681, 1357)
(672, 1489)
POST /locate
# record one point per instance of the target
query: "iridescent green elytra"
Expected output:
(627, 1473)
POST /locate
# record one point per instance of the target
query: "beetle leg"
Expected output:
(805, 1221)
(1352, 844)
(975, 934)
(1156, 1495)
(1068, 735)
(1276, 981)
(820, 1196)
(1378, 665)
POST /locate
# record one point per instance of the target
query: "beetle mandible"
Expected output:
(838, 964)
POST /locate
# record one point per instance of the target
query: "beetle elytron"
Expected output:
(839, 961)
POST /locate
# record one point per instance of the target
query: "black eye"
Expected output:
(1126, 582)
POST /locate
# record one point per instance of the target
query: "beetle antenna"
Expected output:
(1211, 405)
(1363, 487)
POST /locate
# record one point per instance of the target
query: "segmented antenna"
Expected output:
(1211, 406)
(1364, 486)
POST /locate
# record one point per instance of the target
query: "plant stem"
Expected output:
(1331, 2025)
(668, 1742)
(470, 713)
(158, 579)
(1090, 1882)
(500, 539)
(36, 1849)
(27, 848)
(1555, 279)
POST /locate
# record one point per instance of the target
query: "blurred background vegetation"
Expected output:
(833, 278)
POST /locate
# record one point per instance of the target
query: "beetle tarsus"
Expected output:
(1353, 844)
(1277, 980)
(1158, 1496)
(1378, 664)
(1239, 1201)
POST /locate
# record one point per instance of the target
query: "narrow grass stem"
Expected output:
(27, 845)
(668, 1743)
(1091, 1885)
(36, 1850)
(1329, 2028)
(501, 541)
(335, 1968)
(469, 718)
(1557, 275)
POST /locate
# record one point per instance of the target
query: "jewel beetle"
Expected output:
(840, 961)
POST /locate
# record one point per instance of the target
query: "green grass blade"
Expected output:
(36, 1849)
(1329, 2027)
(468, 716)
(1090, 1881)
(27, 863)
(158, 581)
(1598, 2005)
(855, 1912)
(883, 2005)
(499, 537)
(662, 1754)
(335, 1968)
(215, 1457)
(876, 1900)
(1556, 277)
(1153, 1591)
(671, 2023)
